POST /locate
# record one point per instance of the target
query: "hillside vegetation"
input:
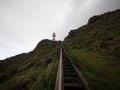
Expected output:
(95, 49)
(35, 70)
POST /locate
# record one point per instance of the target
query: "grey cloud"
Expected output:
(23, 23)
(82, 12)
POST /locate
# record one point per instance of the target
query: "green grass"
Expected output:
(101, 72)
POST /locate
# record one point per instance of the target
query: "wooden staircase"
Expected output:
(68, 76)
(71, 80)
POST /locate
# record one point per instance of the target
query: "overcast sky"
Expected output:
(23, 23)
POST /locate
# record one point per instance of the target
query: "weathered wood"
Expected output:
(58, 85)
(68, 76)
(83, 80)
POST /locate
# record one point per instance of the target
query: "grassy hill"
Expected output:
(95, 49)
(35, 70)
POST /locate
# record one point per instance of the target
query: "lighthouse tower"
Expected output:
(53, 37)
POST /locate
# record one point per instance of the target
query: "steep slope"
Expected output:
(95, 48)
(35, 70)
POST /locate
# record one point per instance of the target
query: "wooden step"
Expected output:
(74, 78)
(72, 85)
(72, 81)
(69, 71)
(68, 67)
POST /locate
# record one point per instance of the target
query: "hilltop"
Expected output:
(95, 49)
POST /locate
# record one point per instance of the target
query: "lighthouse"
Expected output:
(53, 37)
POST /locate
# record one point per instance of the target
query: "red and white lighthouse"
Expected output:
(53, 37)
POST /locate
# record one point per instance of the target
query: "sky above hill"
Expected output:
(23, 23)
